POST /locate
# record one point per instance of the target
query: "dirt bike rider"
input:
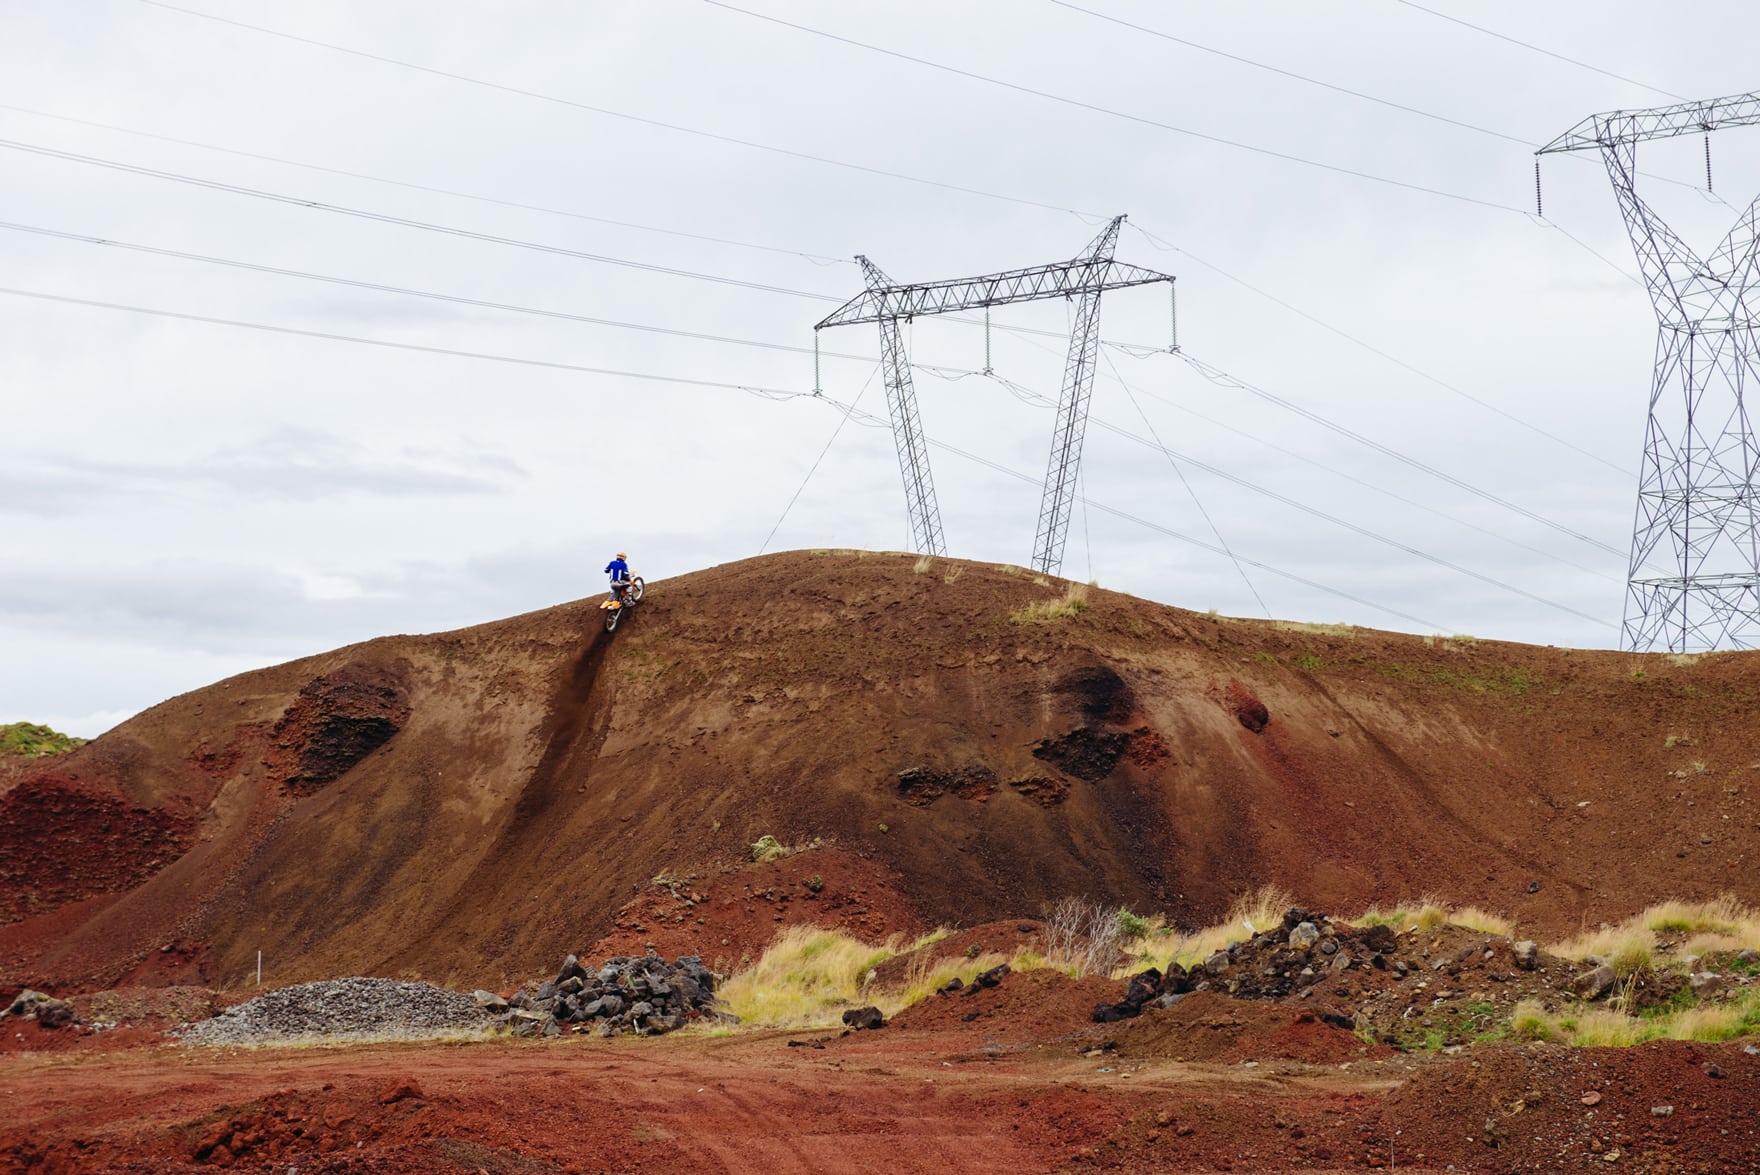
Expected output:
(618, 570)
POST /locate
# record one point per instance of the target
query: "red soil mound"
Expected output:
(474, 805)
(1025, 1008)
(730, 918)
(63, 841)
(1207, 1026)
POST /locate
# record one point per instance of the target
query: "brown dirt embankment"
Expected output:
(470, 806)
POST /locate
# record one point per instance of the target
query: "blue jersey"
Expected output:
(617, 569)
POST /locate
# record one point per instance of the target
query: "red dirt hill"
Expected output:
(469, 806)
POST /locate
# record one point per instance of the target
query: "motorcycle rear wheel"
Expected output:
(612, 616)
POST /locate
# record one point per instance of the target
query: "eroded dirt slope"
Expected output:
(470, 806)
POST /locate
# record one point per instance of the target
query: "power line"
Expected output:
(1248, 61)
(1169, 246)
(255, 267)
(1154, 526)
(378, 287)
(800, 489)
(1098, 109)
(1214, 374)
(942, 371)
(1217, 376)
(1026, 395)
(1500, 535)
(765, 392)
(607, 111)
(1316, 512)
(1537, 49)
(1180, 473)
(403, 221)
(890, 174)
(1335, 88)
(816, 258)
(452, 352)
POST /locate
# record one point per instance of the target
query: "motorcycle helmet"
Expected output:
(621, 555)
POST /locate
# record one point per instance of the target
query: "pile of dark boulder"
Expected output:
(642, 995)
(1306, 955)
(1418, 987)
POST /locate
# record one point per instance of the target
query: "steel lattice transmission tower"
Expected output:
(887, 303)
(1694, 578)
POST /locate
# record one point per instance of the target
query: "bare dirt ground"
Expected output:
(1009, 1079)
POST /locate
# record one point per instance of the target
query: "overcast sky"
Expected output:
(185, 499)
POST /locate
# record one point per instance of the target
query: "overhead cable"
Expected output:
(405, 222)
(759, 390)
(1334, 87)
(1019, 200)
(816, 258)
(1180, 473)
(112, 242)
(378, 287)
(1501, 535)
(1217, 376)
(1248, 61)
(1169, 246)
(1316, 512)
(452, 352)
(1154, 526)
(1121, 114)
(607, 111)
(1537, 49)
(820, 459)
(1214, 374)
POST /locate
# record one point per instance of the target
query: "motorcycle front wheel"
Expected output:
(635, 589)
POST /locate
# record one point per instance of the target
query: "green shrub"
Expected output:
(1130, 926)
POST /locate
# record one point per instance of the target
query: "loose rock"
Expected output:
(864, 1018)
(1593, 984)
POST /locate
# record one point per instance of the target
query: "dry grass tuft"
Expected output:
(1427, 913)
(805, 977)
(1705, 1023)
(923, 564)
(1724, 923)
(1603, 1028)
(808, 976)
(1530, 1021)
(1633, 956)
(1349, 630)
(1073, 602)
(1485, 922)
(1723, 915)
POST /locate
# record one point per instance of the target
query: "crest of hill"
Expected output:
(470, 806)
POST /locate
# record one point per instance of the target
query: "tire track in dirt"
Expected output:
(505, 880)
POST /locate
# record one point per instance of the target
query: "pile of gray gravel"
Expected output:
(340, 1009)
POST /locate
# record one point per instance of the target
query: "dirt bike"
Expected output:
(624, 595)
